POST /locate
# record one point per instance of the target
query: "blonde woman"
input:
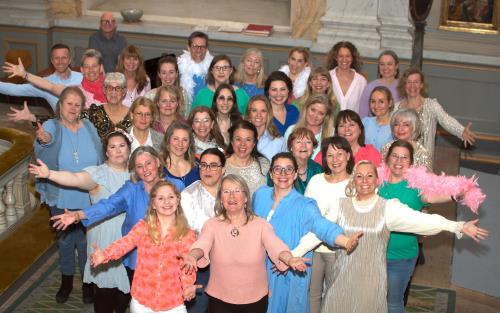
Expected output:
(250, 74)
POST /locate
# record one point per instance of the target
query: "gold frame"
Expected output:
(470, 27)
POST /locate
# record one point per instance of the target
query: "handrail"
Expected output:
(22, 146)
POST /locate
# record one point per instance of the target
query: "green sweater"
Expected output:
(402, 245)
(205, 97)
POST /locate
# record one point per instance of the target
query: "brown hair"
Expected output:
(328, 122)
(301, 132)
(221, 57)
(141, 78)
(165, 152)
(270, 126)
(215, 131)
(404, 78)
(331, 57)
(350, 115)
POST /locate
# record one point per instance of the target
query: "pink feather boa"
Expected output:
(430, 184)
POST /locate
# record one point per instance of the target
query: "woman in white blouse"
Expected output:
(344, 63)
(365, 269)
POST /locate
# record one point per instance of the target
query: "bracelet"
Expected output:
(26, 76)
(77, 219)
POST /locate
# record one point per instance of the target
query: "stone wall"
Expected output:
(66, 8)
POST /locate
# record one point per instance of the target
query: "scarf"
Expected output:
(300, 83)
(95, 88)
(188, 68)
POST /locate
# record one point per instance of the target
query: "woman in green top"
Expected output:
(402, 250)
(220, 71)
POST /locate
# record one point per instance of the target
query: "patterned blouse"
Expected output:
(98, 116)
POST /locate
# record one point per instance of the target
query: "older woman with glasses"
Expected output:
(142, 114)
(112, 114)
(221, 71)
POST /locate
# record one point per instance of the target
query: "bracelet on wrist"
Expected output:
(26, 75)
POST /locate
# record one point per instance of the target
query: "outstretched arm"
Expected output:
(19, 70)
(21, 115)
(80, 180)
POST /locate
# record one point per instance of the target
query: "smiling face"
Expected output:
(60, 59)
(167, 104)
(296, 63)
(167, 74)
(225, 101)
(302, 148)
(252, 65)
(146, 168)
(233, 197)
(108, 24)
(282, 174)
(166, 201)
(278, 92)
(243, 143)
(398, 161)
(319, 84)
(114, 93)
(198, 49)
(258, 113)
(211, 177)
(379, 104)
(414, 85)
(221, 71)
(131, 63)
(387, 67)
(179, 143)
(350, 130)
(365, 181)
(70, 108)
(202, 125)
(142, 117)
(315, 114)
(117, 151)
(336, 159)
(402, 129)
(344, 58)
(91, 69)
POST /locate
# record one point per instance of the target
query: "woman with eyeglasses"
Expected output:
(131, 64)
(221, 71)
(292, 216)
(142, 114)
(113, 114)
(225, 109)
(237, 243)
(177, 154)
(243, 158)
(167, 101)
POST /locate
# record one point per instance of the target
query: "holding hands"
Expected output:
(353, 242)
(190, 292)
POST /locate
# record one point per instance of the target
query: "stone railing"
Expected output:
(15, 199)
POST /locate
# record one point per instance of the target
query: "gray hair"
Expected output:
(409, 115)
(92, 53)
(117, 78)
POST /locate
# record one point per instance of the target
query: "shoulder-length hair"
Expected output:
(391, 54)
(277, 76)
(350, 115)
(234, 113)
(400, 144)
(254, 154)
(220, 211)
(409, 115)
(171, 59)
(181, 226)
(328, 122)
(339, 143)
(173, 91)
(139, 151)
(404, 79)
(215, 131)
(331, 57)
(189, 155)
(240, 76)
(318, 71)
(143, 101)
(141, 78)
(270, 126)
(70, 90)
(221, 57)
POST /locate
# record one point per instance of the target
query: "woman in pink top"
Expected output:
(235, 242)
(159, 284)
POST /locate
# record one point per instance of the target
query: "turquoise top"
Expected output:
(205, 97)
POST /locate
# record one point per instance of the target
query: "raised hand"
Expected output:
(62, 221)
(190, 292)
(298, 263)
(98, 257)
(14, 70)
(21, 115)
(353, 242)
(468, 136)
(41, 134)
(472, 230)
(40, 171)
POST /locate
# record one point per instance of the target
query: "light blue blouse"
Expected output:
(375, 134)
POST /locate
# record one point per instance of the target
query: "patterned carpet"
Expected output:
(38, 297)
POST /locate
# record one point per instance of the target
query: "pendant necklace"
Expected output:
(235, 232)
(75, 147)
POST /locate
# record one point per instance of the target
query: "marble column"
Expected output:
(305, 17)
(350, 20)
(395, 26)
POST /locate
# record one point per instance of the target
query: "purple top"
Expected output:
(364, 101)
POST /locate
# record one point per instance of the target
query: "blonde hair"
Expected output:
(318, 71)
(220, 210)
(137, 152)
(240, 76)
(270, 126)
(143, 101)
(350, 189)
(181, 227)
(173, 91)
(328, 123)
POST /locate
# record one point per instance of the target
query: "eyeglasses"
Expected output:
(198, 47)
(202, 121)
(413, 82)
(288, 170)
(235, 192)
(225, 99)
(165, 102)
(143, 115)
(209, 166)
(108, 21)
(224, 68)
(400, 157)
(109, 88)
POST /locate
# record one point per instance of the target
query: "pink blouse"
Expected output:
(238, 264)
(368, 152)
(158, 280)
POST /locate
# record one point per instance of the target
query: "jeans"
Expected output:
(67, 240)
(200, 303)
(398, 276)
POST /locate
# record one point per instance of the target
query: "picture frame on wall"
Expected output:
(472, 16)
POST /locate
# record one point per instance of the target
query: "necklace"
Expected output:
(234, 231)
(304, 172)
(74, 147)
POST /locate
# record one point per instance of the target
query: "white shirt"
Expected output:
(351, 98)
(136, 144)
(198, 205)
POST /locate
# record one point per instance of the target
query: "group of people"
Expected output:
(228, 190)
